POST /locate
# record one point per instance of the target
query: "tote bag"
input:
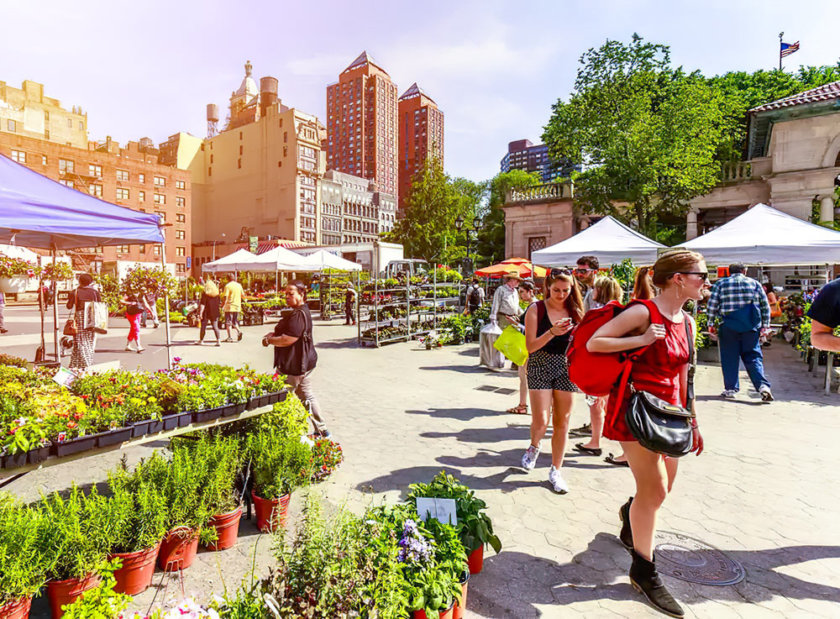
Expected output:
(511, 343)
(96, 316)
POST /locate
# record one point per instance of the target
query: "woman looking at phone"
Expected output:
(548, 325)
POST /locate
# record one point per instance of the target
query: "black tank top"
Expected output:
(558, 344)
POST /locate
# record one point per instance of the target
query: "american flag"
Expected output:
(789, 48)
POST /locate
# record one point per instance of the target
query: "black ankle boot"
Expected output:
(626, 535)
(645, 579)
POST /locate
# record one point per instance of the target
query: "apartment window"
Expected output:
(11, 125)
(46, 116)
(122, 193)
(69, 123)
(285, 136)
(180, 251)
(46, 134)
(19, 156)
(95, 190)
(122, 175)
(180, 268)
(238, 163)
(180, 218)
(210, 171)
(180, 234)
(81, 126)
(180, 201)
(44, 160)
(211, 158)
(67, 184)
(180, 185)
(95, 170)
(285, 151)
(141, 196)
(157, 250)
(141, 178)
(160, 181)
(123, 249)
(240, 149)
(142, 249)
(160, 198)
(240, 135)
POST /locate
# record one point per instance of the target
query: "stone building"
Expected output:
(793, 163)
(538, 217)
(27, 112)
(130, 176)
(353, 209)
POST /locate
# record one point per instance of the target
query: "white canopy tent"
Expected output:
(323, 259)
(14, 251)
(609, 240)
(280, 259)
(766, 236)
(240, 260)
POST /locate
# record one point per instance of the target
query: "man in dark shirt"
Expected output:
(825, 317)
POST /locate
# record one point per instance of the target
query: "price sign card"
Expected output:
(64, 377)
(442, 510)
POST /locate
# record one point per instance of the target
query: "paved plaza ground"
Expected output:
(766, 491)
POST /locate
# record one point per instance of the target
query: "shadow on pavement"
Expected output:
(462, 414)
(463, 369)
(348, 343)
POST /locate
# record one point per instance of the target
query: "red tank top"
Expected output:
(656, 371)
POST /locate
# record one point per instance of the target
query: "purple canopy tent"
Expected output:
(36, 211)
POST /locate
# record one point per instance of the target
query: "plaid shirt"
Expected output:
(734, 292)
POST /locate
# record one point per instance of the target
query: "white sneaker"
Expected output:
(129, 349)
(529, 459)
(556, 479)
(729, 394)
(766, 394)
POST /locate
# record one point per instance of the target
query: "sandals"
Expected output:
(589, 451)
(521, 409)
(611, 459)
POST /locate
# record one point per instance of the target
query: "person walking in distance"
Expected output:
(475, 296)
(740, 303)
(825, 317)
(233, 305)
(548, 325)
(658, 328)
(527, 295)
(208, 310)
(133, 311)
(294, 352)
(585, 273)
(349, 304)
(3, 328)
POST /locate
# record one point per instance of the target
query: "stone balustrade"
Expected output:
(735, 171)
(539, 193)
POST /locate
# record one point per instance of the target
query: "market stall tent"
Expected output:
(240, 260)
(524, 266)
(609, 240)
(767, 236)
(280, 259)
(13, 251)
(322, 260)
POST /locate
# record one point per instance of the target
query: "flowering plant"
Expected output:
(59, 272)
(414, 547)
(326, 456)
(15, 267)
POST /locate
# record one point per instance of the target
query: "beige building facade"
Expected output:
(26, 112)
(538, 217)
(793, 163)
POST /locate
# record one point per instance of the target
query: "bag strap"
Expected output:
(541, 311)
(692, 362)
(630, 358)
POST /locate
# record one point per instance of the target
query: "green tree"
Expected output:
(491, 238)
(647, 132)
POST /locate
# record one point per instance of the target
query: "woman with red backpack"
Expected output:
(662, 334)
(548, 325)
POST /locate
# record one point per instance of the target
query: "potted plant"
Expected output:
(279, 464)
(22, 566)
(102, 601)
(474, 526)
(75, 550)
(14, 274)
(136, 515)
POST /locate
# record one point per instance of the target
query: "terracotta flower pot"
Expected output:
(271, 513)
(135, 575)
(461, 606)
(178, 549)
(62, 592)
(476, 560)
(227, 529)
(16, 609)
(444, 614)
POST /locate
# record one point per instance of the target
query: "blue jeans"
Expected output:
(735, 347)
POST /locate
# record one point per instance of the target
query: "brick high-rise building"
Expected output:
(421, 136)
(362, 124)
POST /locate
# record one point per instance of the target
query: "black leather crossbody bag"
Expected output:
(659, 425)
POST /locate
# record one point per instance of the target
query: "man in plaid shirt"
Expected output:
(740, 305)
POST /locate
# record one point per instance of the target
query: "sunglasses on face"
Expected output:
(583, 270)
(704, 275)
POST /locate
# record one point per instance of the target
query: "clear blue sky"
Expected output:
(149, 68)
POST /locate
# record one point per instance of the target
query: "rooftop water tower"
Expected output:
(212, 120)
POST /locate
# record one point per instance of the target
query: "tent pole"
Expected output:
(166, 307)
(55, 312)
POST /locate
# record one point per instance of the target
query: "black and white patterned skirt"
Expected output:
(549, 371)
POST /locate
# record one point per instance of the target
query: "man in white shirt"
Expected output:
(506, 299)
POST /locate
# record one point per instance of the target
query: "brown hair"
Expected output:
(607, 289)
(574, 302)
(590, 261)
(673, 262)
(642, 288)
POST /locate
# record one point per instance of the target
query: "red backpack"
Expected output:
(595, 373)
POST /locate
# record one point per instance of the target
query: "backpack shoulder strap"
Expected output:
(692, 362)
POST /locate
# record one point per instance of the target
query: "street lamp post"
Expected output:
(459, 224)
(213, 259)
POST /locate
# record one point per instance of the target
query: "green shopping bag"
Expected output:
(511, 343)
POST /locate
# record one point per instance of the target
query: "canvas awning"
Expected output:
(240, 260)
(520, 264)
(323, 259)
(36, 211)
(767, 236)
(280, 259)
(609, 240)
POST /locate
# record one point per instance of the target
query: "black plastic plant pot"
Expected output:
(38, 455)
(74, 446)
(251, 404)
(113, 437)
(140, 428)
(209, 414)
(234, 409)
(14, 461)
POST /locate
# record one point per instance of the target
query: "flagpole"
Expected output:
(781, 34)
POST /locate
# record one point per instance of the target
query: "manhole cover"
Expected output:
(506, 391)
(486, 388)
(690, 559)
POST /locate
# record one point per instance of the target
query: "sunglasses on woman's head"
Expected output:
(559, 272)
